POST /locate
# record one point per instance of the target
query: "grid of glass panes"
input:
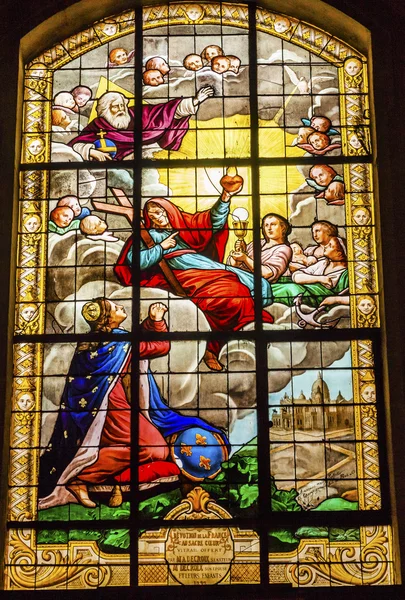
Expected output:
(277, 250)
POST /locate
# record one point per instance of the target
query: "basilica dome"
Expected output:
(320, 391)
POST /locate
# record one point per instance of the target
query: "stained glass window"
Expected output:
(197, 319)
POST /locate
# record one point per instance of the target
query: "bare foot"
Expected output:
(79, 491)
(212, 361)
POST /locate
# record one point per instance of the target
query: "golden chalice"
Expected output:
(240, 222)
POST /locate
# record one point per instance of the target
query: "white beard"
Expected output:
(117, 121)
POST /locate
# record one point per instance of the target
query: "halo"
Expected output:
(91, 311)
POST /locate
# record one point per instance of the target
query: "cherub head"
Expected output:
(62, 216)
(92, 225)
(322, 124)
(25, 400)
(302, 137)
(157, 63)
(194, 12)
(366, 305)
(32, 223)
(118, 56)
(72, 202)
(153, 77)
(335, 192)
(234, 63)
(318, 140)
(220, 64)
(281, 24)
(367, 392)
(361, 215)
(28, 312)
(211, 52)
(65, 99)
(109, 28)
(322, 174)
(193, 62)
(36, 146)
(355, 141)
(353, 66)
(81, 94)
(28, 318)
(60, 118)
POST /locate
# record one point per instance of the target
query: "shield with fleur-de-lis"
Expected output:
(198, 452)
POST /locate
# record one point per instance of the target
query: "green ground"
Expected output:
(235, 488)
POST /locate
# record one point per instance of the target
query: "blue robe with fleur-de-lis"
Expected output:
(90, 376)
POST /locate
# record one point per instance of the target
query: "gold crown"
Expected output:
(91, 311)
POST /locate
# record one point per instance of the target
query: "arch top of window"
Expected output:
(322, 34)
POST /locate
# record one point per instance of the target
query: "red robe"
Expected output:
(225, 301)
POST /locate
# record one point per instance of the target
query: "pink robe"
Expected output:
(276, 258)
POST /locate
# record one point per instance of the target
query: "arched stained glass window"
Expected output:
(197, 318)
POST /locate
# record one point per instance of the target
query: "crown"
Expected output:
(91, 311)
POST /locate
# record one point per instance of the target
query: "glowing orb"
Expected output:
(240, 214)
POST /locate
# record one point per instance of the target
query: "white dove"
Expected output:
(302, 84)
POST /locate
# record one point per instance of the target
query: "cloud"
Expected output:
(77, 183)
(283, 55)
(151, 186)
(122, 179)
